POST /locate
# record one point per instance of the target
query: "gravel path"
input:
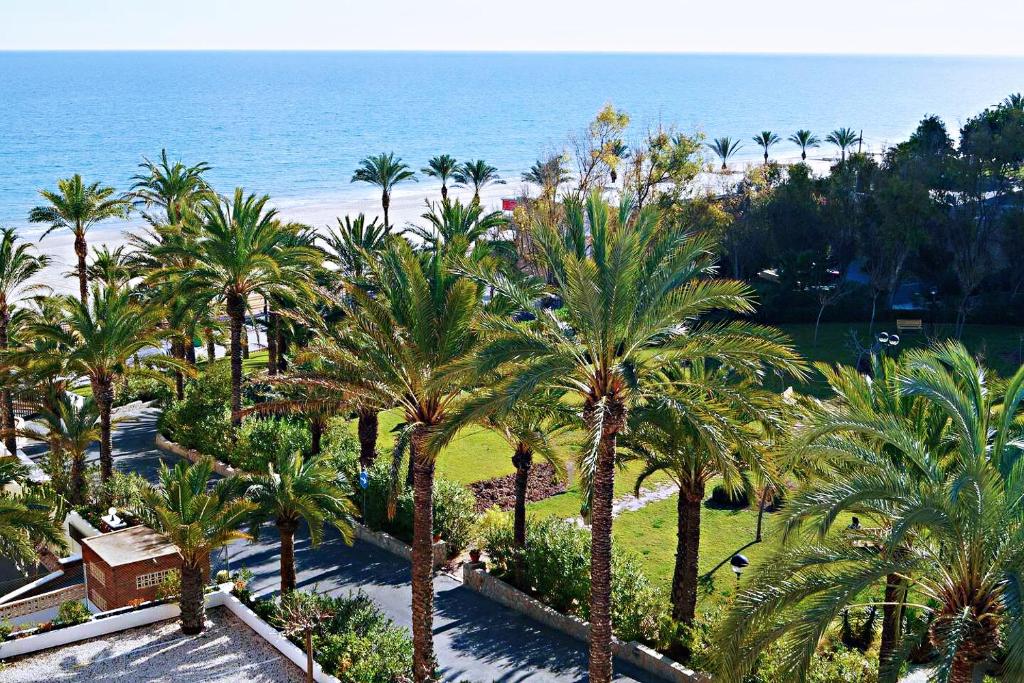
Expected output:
(647, 496)
(228, 651)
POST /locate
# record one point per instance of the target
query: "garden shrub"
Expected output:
(170, 587)
(202, 419)
(557, 572)
(358, 644)
(454, 515)
(720, 497)
(135, 388)
(262, 439)
(72, 612)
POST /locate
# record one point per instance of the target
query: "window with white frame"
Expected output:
(153, 579)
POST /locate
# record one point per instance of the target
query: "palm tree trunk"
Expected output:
(385, 202)
(77, 484)
(963, 671)
(193, 609)
(684, 577)
(179, 377)
(282, 349)
(601, 549)
(211, 348)
(286, 528)
(892, 619)
(81, 251)
(272, 323)
(8, 422)
(190, 349)
(236, 312)
(309, 655)
(103, 395)
(763, 503)
(444, 190)
(522, 460)
(316, 433)
(422, 560)
(367, 421)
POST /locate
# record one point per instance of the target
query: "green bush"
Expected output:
(137, 388)
(720, 497)
(202, 419)
(557, 572)
(454, 514)
(72, 612)
(262, 439)
(358, 644)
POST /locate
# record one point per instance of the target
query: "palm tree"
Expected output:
(71, 428)
(385, 171)
(616, 153)
(294, 489)
(698, 424)
(843, 138)
(804, 139)
(198, 518)
(550, 174)
(725, 148)
(76, 206)
(26, 519)
(478, 174)
(950, 528)
(766, 140)
(348, 245)
(99, 339)
(406, 347)
(242, 250)
(441, 167)
(111, 268)
(457, 226)
(633, 296)
(173, 187)
(18, 265)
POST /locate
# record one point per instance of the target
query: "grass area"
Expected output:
(568, 504)
(1000, 346)
(651, 532)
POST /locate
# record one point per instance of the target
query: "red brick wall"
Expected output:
(111, 588)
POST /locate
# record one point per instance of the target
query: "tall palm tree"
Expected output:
(550, 174)
(173, 187)
(843, 138)
(950, 528)
(26, 519)
(76, 206)
(698, 424)
(725, 148)
(478, 174)
(99, 340)
(241, 250)
(198, 518)
(18, 265)
(766, 140)
(71, 428)
(294, 489)
(804, 139)
(385, 171)
(633, 296)
(406, 347)
(348, 245)
(441, 167)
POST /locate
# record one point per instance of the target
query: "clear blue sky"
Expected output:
(991, 27)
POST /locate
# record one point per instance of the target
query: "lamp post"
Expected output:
(738, 564)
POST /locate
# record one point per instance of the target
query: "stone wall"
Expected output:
(396, 547)
(38, 603)
(164, 444)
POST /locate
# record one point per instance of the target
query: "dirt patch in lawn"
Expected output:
(501, 491)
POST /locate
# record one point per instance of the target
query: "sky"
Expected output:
(929, 27)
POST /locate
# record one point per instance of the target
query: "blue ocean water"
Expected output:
(295, 124)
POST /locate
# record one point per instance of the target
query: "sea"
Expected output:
(295, 124)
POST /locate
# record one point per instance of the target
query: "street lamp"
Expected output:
(738, 564)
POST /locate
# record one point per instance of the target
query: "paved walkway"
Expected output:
(475, 638)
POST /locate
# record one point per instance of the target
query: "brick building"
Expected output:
(125, 566)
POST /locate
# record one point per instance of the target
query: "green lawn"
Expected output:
(568, 504)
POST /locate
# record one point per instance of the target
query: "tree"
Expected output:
(76, 206)
(111, 268)
(294, 489)
(633, 297)
(595, 151)
(616, 152)
(303, 613)
(478, 174)
(804, 139)
(71, 428)
(100, 340)
(173, 187)
(441, 167)
(406, 346)
(18, 265)
(384, 171)
(241, 250)
(26, 519)
(349, 244)
(843, 138)
(197, 518)
(699, 423)
(725, 148)
(550, 174)
(950, 529)
(457, 226)
(766, 140)
(662, 165)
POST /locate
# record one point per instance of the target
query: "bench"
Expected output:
(909, 325)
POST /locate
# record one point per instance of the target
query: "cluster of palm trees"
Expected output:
(615, 326)
(844, 139)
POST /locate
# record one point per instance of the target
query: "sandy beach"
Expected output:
(408, 203)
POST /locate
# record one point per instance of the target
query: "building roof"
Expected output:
(134, 544)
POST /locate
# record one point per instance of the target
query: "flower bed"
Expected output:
(501, 491)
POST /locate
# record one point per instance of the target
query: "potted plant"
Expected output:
(474, 555)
